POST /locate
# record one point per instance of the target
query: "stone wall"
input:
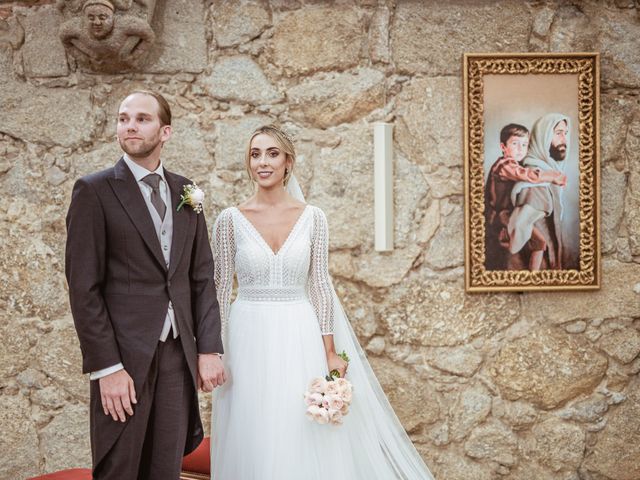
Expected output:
(515, 386)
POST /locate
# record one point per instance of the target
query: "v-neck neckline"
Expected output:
(264, 242)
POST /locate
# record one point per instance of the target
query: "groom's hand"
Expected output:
(210, 372)
(117, 394)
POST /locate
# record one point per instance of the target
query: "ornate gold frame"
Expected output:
(586, 65)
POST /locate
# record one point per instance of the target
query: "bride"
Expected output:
(282, 331)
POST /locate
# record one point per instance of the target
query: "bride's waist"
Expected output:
(272, 294)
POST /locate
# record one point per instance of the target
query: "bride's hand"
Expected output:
(335, 362)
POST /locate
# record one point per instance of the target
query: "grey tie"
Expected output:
(153, 180)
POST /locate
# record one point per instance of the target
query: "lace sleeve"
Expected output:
(224, 254)
(320, 288)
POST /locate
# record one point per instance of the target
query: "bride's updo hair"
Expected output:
(282, 140)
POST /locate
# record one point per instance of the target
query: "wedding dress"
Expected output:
(273, 349)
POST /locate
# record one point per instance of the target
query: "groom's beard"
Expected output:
(141, 150)
(558, 153)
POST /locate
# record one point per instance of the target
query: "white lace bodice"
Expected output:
(299, 269)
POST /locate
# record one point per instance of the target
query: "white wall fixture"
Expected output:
(383, 184)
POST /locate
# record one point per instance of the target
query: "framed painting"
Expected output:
(532, 173)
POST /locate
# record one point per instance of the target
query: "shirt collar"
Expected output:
(140, 172)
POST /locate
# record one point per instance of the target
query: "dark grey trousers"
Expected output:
(152, 443)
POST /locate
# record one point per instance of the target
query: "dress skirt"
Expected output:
(259, 430)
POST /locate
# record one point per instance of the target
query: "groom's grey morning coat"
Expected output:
(120, 286)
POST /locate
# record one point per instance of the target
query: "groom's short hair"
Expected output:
(164, 110)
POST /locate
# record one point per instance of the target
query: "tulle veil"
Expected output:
(381, 421)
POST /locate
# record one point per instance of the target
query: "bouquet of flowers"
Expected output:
(328, 398)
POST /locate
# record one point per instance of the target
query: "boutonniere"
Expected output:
(192, 196)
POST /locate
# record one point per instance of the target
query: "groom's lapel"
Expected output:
(180, 220)
(128, 192)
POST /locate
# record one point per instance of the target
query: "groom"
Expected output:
(140, 276)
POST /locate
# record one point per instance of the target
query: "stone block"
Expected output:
(414, 400)
(240, 79)
(181, 42)
(617, 113)
(615, 298)
(518, 415)
(332, 39)
(239, 21)
(421, 31)
(383, 269)
(471, 408)
(41, 35)
(547, 368)
(617, 446)
(493, 441)
(58, 354)
(48, 116)
(430, 312)
(332, 98)
(379, 50)
(632, 208)
(429, 122)
(186, 152)
(447, 246)
(19, 439)
(622, 344)
(70, 426)
(555, 444)
(610, 31)
(614, 186)
(343, 184)
(463, 361)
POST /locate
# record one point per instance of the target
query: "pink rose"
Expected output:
(344, 385)
(312, 412)
(332, 388)
(342, 382)
(345, 409)
(307, 399)
(335, 417)
(312, 398)
(346, 396)
(318, 385)
(334, 402)
(322, 417)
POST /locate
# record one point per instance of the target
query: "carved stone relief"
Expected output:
(107, 35)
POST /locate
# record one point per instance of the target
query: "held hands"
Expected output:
(117, 394)
(211, 372)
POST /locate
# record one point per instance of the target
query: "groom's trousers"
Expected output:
(152, 443)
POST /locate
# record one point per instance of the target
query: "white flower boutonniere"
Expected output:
(192, 196)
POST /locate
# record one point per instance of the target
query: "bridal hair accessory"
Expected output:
(285, 135)
(192, 196)
(328, 398)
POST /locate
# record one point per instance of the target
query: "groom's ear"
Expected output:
(166, 133)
